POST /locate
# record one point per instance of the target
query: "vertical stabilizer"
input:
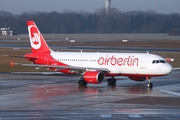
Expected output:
(38, 44)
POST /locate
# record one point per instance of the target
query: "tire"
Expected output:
(150, 85)
(111, 81)
(82, 83)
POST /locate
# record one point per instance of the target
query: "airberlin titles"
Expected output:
(120, 61)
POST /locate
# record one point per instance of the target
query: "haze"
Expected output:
(20, 6)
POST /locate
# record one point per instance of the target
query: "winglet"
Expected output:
(11, 64)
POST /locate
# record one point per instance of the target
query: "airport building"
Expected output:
(6, 31)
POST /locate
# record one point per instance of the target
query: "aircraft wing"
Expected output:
(73, 68)
(176, 69)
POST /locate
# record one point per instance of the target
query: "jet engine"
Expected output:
(137, 78)
(94, 77)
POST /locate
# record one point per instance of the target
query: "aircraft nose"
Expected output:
(167, 69)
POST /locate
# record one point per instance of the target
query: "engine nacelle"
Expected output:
(94, 77)
(137, 78)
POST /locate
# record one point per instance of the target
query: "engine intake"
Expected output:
(94, 77)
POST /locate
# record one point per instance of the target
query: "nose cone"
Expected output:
(162, 69)
(167, 68)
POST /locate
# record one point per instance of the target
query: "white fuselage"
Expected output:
(117, 63)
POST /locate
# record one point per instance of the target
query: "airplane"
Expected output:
(94, 67)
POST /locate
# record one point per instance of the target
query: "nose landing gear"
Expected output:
(149, 85)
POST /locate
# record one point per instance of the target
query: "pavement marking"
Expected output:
(170, 92)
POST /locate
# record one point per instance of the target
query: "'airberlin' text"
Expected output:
(128, 61)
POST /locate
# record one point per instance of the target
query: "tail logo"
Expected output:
(34, 37)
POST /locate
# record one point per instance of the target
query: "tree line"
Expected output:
(98, 22)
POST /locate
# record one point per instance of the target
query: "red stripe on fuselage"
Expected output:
(135, 75)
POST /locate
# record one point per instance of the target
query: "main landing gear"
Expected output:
(82, 82)
(111, 81)
(149, 85)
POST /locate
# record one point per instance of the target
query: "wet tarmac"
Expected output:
(51, 97)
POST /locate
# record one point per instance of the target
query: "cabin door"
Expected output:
(142, 62)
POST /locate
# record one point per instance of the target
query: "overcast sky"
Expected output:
(20, 6)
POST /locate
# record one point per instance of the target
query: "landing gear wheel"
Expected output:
(111, 81)
(150, 85)
(82, 83)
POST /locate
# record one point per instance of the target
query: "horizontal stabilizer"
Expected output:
(15, 56)
(29, 57)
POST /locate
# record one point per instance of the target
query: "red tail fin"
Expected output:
(38, 44)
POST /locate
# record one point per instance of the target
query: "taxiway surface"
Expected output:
(41, 97)
(48, 97)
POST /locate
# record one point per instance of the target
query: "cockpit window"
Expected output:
(158, 61)
(162, 61)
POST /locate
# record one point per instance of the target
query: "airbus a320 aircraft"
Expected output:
(92, 66)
